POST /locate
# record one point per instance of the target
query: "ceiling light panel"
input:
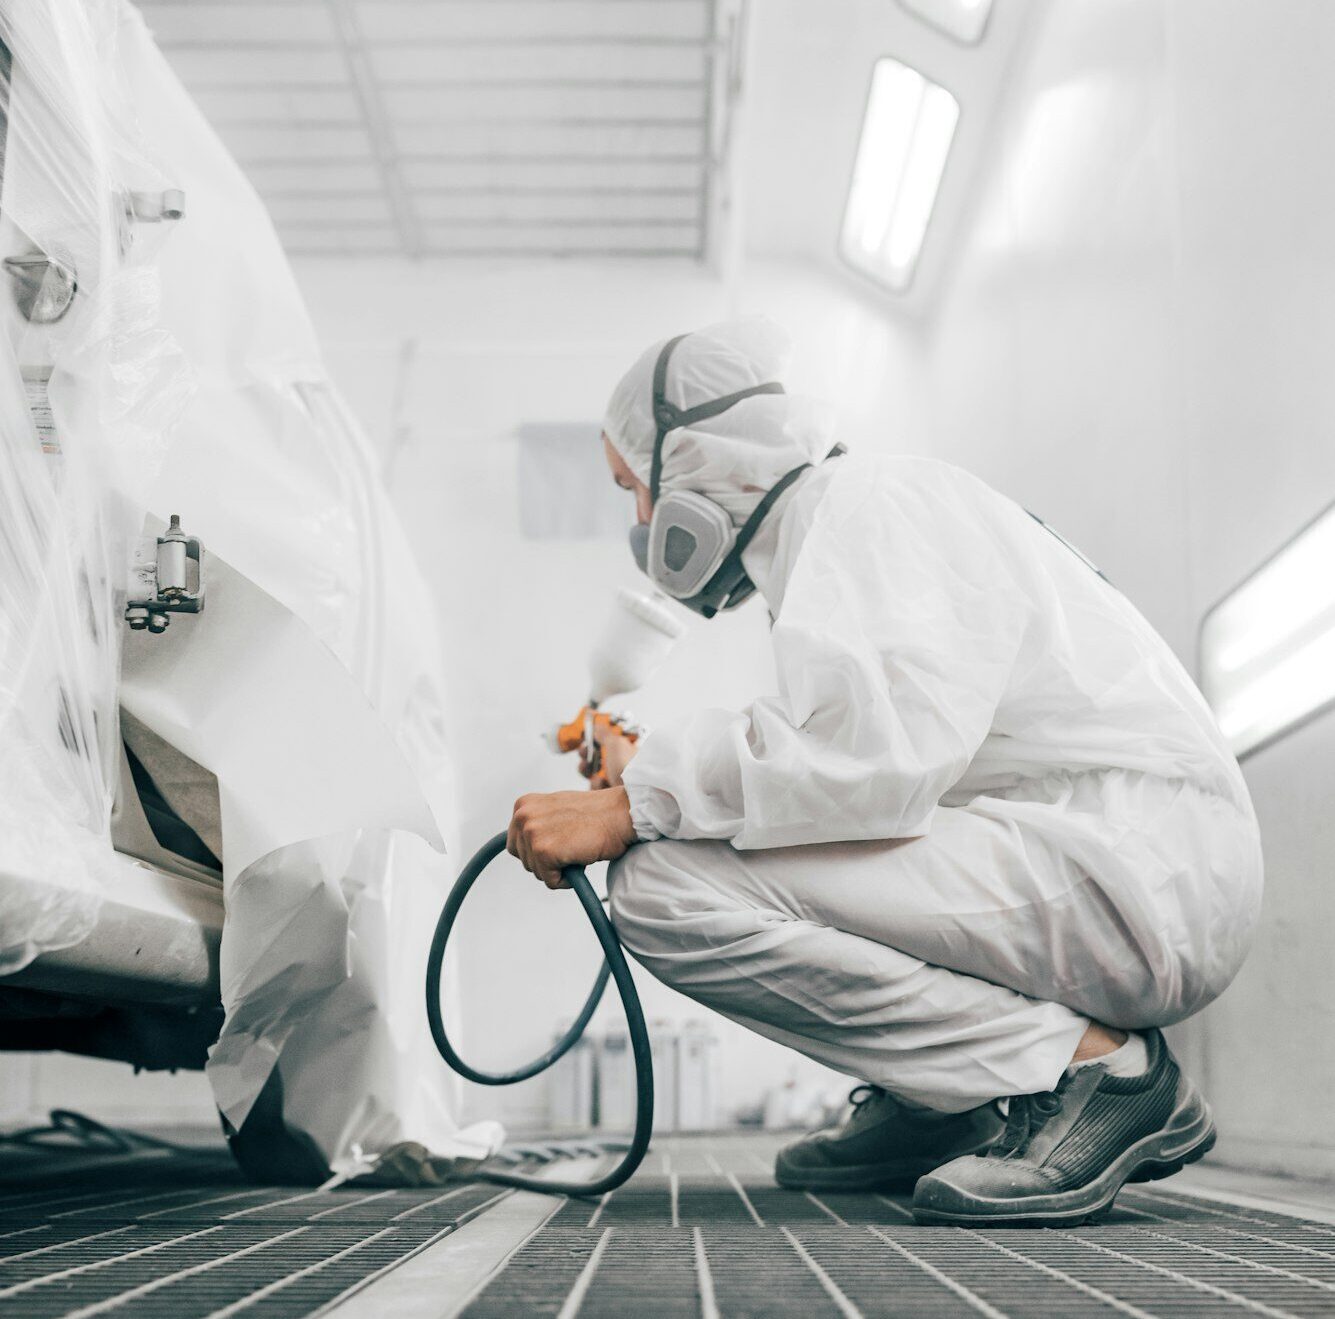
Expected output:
(964, 20)
(1267, 650)
(907, 130)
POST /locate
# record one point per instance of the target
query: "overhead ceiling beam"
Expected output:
(378, 128)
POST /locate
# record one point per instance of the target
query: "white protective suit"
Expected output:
(987, 805)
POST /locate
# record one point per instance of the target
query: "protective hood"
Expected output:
(735, 457)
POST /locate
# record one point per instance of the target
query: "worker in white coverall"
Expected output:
(984, 842)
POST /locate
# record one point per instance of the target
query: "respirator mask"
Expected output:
(690, 548)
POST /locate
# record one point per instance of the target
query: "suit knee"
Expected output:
(636, 893)
(665, 900)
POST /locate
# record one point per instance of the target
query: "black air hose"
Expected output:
(614, 964)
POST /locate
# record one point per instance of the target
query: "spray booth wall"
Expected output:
(1137, 344)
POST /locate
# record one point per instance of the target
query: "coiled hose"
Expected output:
(614, 965)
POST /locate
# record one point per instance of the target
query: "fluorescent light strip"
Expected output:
(1268, 649)
(906, 136)
(1297, 685)
(1279, 600)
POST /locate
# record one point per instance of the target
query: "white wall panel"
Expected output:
(1254, 104)
(1135, 341)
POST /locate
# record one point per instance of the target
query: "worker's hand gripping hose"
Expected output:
(614, 964)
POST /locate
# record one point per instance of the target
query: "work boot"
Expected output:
(1067, 1152)
(883, 1144)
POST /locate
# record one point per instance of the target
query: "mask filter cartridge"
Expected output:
(639, 546)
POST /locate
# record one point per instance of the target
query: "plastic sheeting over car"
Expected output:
(90, 382)
(231, 422)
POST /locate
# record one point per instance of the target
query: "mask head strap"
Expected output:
(668, 417)
(730, 584)
(731, 575)
(752, 524)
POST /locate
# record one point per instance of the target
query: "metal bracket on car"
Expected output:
(154, 207)
(170, 589)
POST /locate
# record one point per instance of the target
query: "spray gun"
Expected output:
(583, 730)
(639, 632)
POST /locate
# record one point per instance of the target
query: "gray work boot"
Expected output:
(883, 1144)
(1066, 1153)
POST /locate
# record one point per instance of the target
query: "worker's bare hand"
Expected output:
(550, 830)
(617, 751)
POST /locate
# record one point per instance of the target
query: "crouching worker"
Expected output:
(982, 845)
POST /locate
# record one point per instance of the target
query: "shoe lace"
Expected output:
(865, 1100)
(1028, 1115)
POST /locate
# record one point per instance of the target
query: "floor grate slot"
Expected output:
(703, 1231)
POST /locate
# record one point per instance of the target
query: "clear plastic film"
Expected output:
(90, 384)
(325, 939)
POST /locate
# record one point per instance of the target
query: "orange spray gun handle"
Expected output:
(581, 732)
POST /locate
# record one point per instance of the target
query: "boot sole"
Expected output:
(901, 1175)
(1188, 1135)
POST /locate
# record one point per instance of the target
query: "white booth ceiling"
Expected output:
(461, 127)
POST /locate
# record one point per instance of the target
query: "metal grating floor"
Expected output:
(707, 1233)
(701, 1231)
(176, 1236)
